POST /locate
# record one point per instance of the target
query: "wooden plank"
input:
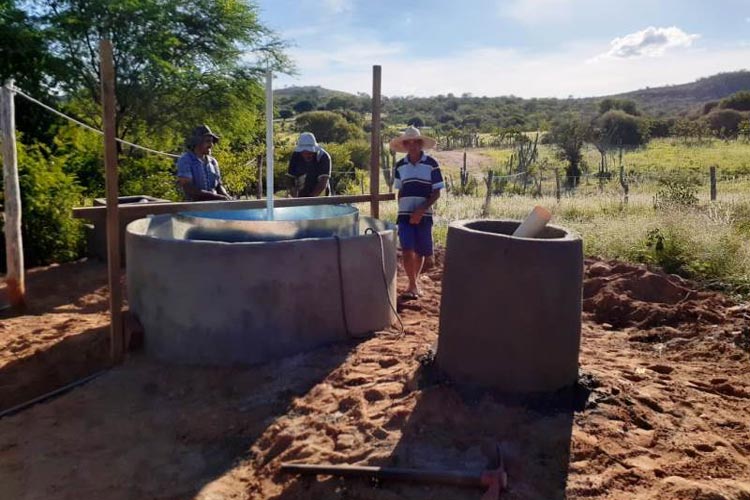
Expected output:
(375, 144)
(15, 279)
(113, 217)
(144, 209)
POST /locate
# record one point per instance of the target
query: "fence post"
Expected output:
(107, 69)
(712, 171)
(624, 184)
(375, 144)
(488, 196)
(557, 184)
(13, 239)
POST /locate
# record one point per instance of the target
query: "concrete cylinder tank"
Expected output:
(510, 315)
(205, 296)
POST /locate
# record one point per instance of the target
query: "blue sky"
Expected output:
(528, 48)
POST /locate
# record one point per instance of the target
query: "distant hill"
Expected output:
(676, 99)
(486, 113)
(311, 92)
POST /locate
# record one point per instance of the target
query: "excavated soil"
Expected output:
(662, 410)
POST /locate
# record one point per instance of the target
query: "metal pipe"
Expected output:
(269, 144)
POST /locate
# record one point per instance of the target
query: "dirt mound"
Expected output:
(627, 295)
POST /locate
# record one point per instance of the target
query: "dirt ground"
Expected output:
(662, 410)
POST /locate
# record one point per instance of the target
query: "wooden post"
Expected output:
(13, 240)
(375, 144)
(106, 65)
(557, 185)
(713, 183)
(259, 193)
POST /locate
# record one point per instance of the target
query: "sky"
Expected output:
(526, 48)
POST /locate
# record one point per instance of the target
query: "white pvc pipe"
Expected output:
(534, 223)
(269, 144)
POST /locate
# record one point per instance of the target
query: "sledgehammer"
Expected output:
(495, 480)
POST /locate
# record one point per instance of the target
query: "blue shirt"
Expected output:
(416, 182)
(204, 175)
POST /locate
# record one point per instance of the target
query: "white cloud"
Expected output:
(536, 11)
(651, 42)
(492, 71)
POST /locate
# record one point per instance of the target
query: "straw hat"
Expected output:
(411, 133)
(307, 142)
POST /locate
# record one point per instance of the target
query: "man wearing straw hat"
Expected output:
(197, 171)
(309, 168)
(419, 181)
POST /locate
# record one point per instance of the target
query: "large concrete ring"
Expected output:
(510, 316)
(219, 303)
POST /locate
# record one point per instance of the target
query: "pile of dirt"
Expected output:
(626, 295)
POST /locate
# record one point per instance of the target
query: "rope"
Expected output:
(89, 127)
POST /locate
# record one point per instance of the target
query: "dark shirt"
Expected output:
(308, 173)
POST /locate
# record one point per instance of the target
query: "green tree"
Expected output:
(328, 126)
(26, 59)
(724, 122)
(622, 128)
(625, 105)
(739, 101)
(173, 61)
(569, 135)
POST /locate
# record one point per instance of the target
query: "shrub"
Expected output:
(724, 122)
(677, 192)
(48, 195)
(623, 128)
(328, 126)
(739, 101)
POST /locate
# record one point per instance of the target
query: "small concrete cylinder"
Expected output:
(222, 303)
(510, 315)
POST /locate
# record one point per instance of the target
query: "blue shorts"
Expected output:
(416, 237)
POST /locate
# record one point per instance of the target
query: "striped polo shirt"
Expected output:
(415, 183)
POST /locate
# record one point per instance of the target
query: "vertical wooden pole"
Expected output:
(259, 193)
(13, 240)
(557, 185)
(712, 171)
(375, 144)
(113, 217)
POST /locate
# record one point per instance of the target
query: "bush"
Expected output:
(739, 101)
(724, 122)
(328, 126)
(623, 128)
(48, 195)
(675, 193)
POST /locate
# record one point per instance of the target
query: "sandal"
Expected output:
(406, 296)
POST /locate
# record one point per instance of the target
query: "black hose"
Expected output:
(50, 395)
(385, 277)
(341, 286)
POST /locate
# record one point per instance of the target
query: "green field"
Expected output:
(690, 236)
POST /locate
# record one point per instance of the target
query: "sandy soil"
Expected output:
(662, 410)
(476, 159)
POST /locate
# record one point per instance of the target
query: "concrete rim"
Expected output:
(464, 225)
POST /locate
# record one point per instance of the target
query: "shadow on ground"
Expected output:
(148, 430)
(457, 429)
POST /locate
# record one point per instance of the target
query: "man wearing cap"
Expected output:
(419, 181)
(309, 168)
(197, 171)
